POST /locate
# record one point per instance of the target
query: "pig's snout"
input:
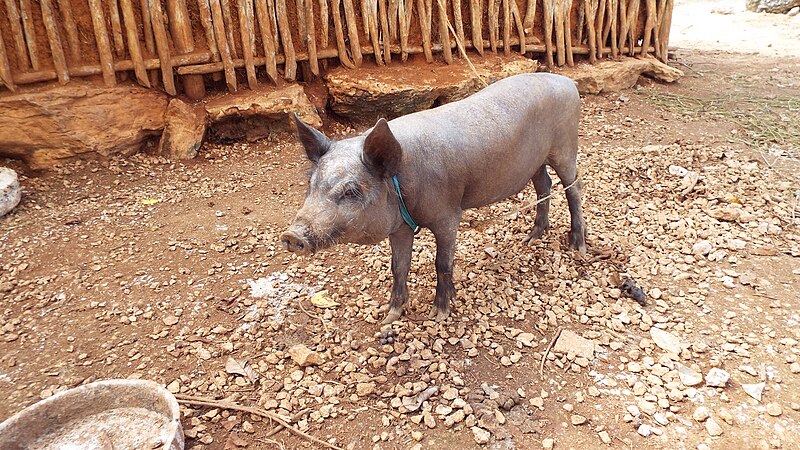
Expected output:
(295, 242)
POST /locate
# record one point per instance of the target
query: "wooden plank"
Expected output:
(65, 7)
(5, 68)
(129, 20)
(393, 16)
(267, 40)
(53, 38)
(352, 32)
(387, 41)
(103, 44)
(17, 34)
(116, 27)
(162, 46)
(444, 34)
(222, 44)
(476, 14)
(311, 37)
(227, 20)
(290, 67)
(425, 25)
(208, 27)
(494, 23)
(28, 27)
(149, 40)
(560, 33)
(245, 31)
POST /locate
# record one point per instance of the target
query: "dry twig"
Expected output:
(547, 352)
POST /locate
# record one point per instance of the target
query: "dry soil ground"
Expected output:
(171, 271)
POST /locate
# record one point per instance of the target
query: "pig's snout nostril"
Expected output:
(293, 242)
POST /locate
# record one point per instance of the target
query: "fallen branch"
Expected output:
(547, 352)
(280, 427)
(202, 401)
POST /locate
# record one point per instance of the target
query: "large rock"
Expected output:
(46, 125)
(618, 75)
(571, 342)
(184, 130)
(10, 193)
(252, 115)
(772, 6)
(369, 93)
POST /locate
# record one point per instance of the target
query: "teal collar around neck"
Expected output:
(403, 210)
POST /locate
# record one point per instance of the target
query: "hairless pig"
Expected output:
(426, 168)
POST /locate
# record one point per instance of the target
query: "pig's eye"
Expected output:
(351, 193)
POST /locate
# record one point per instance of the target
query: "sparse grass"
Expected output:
(763, 121)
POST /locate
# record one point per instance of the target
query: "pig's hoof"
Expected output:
(577, 242)
(392, 315)
(439, 315)
(534, 235)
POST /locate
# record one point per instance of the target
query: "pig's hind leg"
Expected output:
(542, 183)
(402, 242)
(568, 173)
(445, 234)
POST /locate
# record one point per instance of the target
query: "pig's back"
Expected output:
(487, 147)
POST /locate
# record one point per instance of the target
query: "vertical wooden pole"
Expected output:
(245, 31)
(459, 21)
(352, 32)
(547, 10)
(323, 18)
(265, 25)
(5, 68)
(444, 34)
(181, 30)
(30, 33)
(149, 40)
(116, 28)
(338, 29)
(590, 20)
(425, 25)
(387, 41)
(290, 66)
(56, 49)
(162, 45)
(103, 45)
(311, 37)
(17, 34)
(515, 14)
(65, 6)
(476, 14)
(129, 20)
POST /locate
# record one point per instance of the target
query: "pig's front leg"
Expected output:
(402, 242)
(445, 254)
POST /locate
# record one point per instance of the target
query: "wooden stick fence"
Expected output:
(185, 46)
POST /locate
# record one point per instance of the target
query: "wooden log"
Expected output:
(622, 37)
(613, 26)
(661, 5)
(17, 34)
(222, 43)
(387, 40)
(149, 40)
(633, 18)
(530, 16)
(444, 35)
(181, 30)
(598, 26)
(162, 46)
(568, 32)
(29, 31)
(520, 27)
(273, 18)
(581, 23)
(208, 28)
(116, 27)
(494, 23)
(129, 20)
(5, 68)
(649, 24)
(290, 66)
(311, 37)
(589, 6)
(425, 25)
(548, 9)
(71, 30)
(394, 32)
(476, 14)
(103, 44)
(403, 23)
(372, 31)
(560, 34)
(665, 29)
(364, 5)
(459, 20)
(227, 20)
(53, 38)
(352, 32)
(507, 27)
(324, 20)
(338, 30)
(267, 39)
(245, 31)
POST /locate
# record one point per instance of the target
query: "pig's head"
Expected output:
(349, 197)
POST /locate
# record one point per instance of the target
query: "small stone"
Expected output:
(248, 427)
(170, 320)
(305, 357)
(666, 340)
(577, 419)
(774, 409)
(174, 387)
(526, 339)
(717, 377)
(702, 248)
(633, 410)
(701, 414)
(537, 402)
(571, 342)
(605, 437)
(480, 435)
(754, 390)
(365, 389)
(648, 408)
(548, 443)
(644, 429)
(450, 394)
(688, 376)
(416, 435)
(713, 428)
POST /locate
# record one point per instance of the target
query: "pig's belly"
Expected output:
(493, 188)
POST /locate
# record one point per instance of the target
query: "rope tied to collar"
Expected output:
(403, 210)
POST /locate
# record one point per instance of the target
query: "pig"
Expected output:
(435, 164)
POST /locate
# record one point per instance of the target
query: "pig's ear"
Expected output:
(382, 152)
(315, 143)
